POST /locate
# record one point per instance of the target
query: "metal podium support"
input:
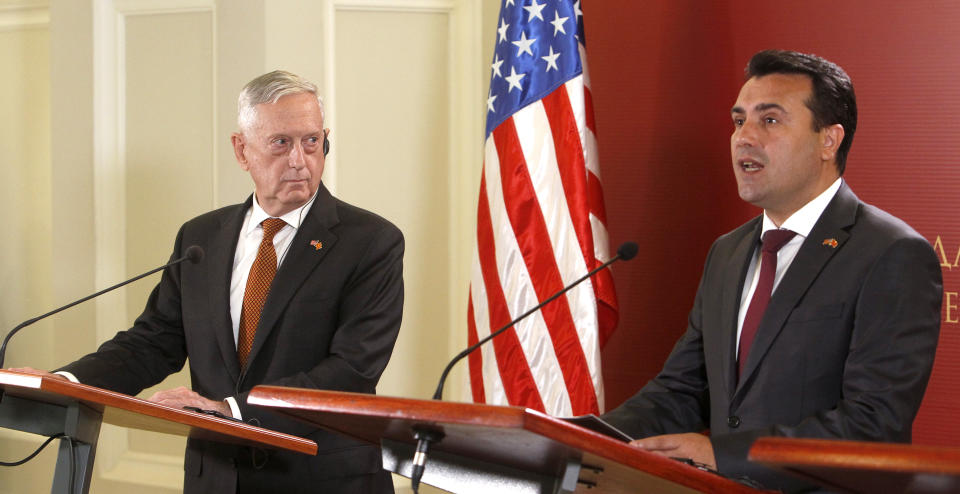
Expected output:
(73, 420)
(464, 475)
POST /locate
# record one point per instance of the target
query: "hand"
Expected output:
(183, 397)
(31, 370)
(691, 445)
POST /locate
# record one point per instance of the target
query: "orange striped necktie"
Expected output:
(258, 286)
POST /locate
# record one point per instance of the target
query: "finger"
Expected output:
(161, 396)
(156, 398)
(655, 442)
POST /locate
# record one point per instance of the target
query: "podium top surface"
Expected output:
(514, 436)
(866, 467)
(134, 413)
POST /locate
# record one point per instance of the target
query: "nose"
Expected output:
(745, 135)
(297, 158)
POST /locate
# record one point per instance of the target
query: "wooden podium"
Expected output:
(50, 406)
(863, 467)
(488, 449)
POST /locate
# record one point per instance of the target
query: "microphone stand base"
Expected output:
(465, 475)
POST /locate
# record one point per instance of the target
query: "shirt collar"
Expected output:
(805, 218)
(293, 218)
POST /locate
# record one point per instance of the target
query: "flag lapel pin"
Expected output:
(316, 244)
(832, 242)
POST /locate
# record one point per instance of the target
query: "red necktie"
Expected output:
(258, 286)
(773, 240)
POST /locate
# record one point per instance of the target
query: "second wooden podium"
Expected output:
(493, 448)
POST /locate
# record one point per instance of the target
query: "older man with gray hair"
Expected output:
(297, 289)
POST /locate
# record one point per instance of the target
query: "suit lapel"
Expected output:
(735, 272)
(813, 255)
(220, 253)
(301, 260)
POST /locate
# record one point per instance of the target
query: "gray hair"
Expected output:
(268, 88)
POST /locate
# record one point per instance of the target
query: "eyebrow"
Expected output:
(759, 107)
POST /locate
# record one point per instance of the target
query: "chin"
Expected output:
(298, 189)
(752, 197)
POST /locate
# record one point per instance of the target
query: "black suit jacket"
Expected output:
(330, 322)
(844, 349)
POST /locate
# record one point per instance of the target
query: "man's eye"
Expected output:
(313, 140)
(281, 141)
(738, 122)
(770, 120)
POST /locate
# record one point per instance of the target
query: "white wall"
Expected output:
(115, 125)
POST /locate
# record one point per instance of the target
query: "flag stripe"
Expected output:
(523, 209)
(588, 97)
(512, 364)
(566, 138)
(518, 290)
(475, 359)
(493, 388)
(591, 124)
(595, 190)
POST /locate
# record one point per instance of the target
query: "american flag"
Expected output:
(541, 222)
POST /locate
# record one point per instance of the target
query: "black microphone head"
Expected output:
(194, 253)
(627, 250)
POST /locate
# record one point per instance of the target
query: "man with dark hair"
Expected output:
(832, 100)
(819, 318)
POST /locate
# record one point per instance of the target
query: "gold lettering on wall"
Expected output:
(941, 253)
(951, 299)
(950, 306)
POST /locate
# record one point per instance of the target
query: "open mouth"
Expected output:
(749, 165)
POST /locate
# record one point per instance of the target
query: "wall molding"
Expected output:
(451, 8)
(465, 114)
(115, 460)
(23, 17)
(444, 6)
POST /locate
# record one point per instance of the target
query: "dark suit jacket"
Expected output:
(330, 322)
(844, 349)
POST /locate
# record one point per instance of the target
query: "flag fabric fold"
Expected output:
(541, 222)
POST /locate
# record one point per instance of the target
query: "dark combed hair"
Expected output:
(832, 101)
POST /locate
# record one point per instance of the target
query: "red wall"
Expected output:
(664, 75)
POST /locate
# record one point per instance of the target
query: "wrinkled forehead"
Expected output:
(250, 113)
(299, 111)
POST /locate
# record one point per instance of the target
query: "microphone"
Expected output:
(626, 251)
(194, 254)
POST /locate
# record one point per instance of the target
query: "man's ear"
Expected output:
(239, 145)
(830, 138)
